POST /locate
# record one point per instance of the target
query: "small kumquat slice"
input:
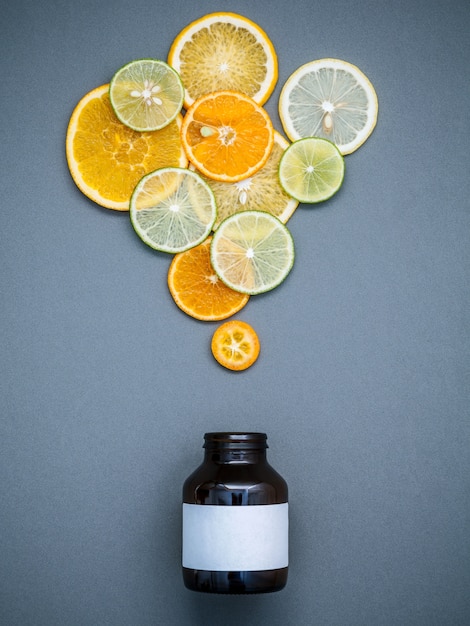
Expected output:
(235, 345)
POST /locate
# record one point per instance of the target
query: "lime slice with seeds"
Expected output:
(172, 209)
(146, 94)
(311, 170)
(252, 252)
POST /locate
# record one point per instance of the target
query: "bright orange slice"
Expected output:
(107, 159)
(227, 136)
(197, 290)
(235, 345)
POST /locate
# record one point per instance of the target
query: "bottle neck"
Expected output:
(235, 448)
(235, 456)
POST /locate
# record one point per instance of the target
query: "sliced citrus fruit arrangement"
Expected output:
(146, 94)
(107, 159)
(196, 288)
(215, 184)
(235, 345)
(252, 252)
(172, 209)
(260, 192)
(223, 51)
(311, 169)
(227, 136)
(329, 98)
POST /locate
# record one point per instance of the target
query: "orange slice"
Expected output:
(224, 51)
(197, 290)
(235, 345)
(107, 159)
(227, 136)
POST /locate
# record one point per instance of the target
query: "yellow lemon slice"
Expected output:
(329, 98)
(224, 51)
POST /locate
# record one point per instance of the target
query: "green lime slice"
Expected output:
(172, 209)
(252, 252)
(146, 94)
(311, 169)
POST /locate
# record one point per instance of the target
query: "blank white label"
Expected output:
(235, 538)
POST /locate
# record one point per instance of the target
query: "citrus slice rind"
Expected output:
(329, 98)
(197, 290)
(252, 252)
(227, 136)
(107, 159)
(260, 192)
(221, 51)
(146, 94)
(311, 169)
(235, 345)
(172, 209)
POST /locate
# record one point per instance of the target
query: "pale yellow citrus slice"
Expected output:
(260, 192)
(235, 345)
(329, 98)
(196, 288)
(107, 159)
(227, 136)
(224, 51)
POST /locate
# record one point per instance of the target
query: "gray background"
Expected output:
(363, 381)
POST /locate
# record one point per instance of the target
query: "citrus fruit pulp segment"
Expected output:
(260, 192)
(223, 51)
(227, 136)
(252, 252)
(235, 345)
(197, 290)
(311, 169)
(332, 99)
(107, 159)
(172, 209)
(146, 94)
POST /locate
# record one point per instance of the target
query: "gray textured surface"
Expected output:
(363, 381)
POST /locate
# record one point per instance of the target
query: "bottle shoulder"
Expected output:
(235, 484)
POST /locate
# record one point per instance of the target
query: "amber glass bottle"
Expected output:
(235, 518)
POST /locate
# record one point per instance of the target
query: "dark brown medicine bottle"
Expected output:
(235, 518)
